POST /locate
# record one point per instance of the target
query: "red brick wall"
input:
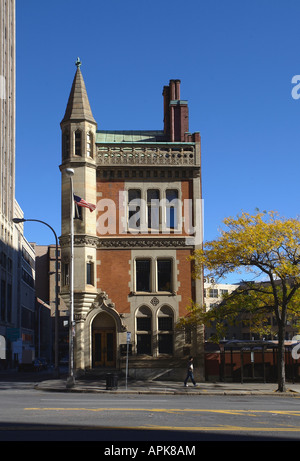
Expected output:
(113, 273)
(110, 190)
(185, 278)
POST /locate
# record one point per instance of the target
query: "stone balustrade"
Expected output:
(162, 156)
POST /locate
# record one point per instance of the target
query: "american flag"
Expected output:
(81, 202)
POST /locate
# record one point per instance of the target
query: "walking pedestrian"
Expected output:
(190, 372)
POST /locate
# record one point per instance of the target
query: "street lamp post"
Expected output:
(20, 220)
(71, 379)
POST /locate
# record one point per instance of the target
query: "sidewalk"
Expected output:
(167, 387)
(45, 381)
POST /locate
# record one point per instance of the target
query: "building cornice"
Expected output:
(126, 242)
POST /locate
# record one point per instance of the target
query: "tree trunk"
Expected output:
(281, 358)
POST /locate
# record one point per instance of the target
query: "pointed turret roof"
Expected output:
(78, 107)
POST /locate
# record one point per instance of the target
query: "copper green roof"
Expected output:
(111, 136)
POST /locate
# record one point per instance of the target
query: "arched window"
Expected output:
(172, 209)
(153, 197)
(134, 208)
(89, 144)
(78, 140)
(144, 331)
(66, 144)
(165, 320)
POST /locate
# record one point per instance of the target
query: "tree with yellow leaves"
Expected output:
(268, 247)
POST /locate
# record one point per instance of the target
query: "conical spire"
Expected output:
(78, 107)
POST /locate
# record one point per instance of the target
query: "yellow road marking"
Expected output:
(223, 428)
(172, 410)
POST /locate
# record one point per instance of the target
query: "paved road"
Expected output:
(30, 414)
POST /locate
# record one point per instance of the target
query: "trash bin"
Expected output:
(111, 381)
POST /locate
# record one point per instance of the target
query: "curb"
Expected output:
(200, 392)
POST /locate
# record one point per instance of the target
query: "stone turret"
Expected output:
(78, 153)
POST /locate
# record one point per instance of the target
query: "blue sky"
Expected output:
(235, 59)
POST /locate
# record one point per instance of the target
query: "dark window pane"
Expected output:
(171, 194)
(90, 273)
(27, 320)
(164, 275)
(143, 323)
(165, 323)
(66, 144)
(152, 194)
(134, 194)
(153, 208)
(165, 344)
(142, 275)
(134, 206)
(144, 344)
(78, 143)
(172, 208)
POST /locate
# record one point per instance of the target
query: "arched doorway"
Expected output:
(104, 341)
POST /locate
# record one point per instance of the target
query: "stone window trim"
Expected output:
(163, 189)
(90, 144)
(165, 330)
(153, 275)
(144, 330)
(78, 141)
(165, 310)
(158, 337)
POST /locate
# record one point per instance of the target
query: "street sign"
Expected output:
(128, 341)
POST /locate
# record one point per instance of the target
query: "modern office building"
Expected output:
(7, 116)
(17, 273)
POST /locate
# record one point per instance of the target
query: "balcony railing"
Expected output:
(161, 156)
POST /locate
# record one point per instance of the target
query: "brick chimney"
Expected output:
(176, 113)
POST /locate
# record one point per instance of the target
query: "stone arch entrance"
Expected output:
(104, 341)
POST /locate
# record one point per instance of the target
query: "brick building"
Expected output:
(131, 272)
(45, 286)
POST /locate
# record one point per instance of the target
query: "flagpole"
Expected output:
(71, 378)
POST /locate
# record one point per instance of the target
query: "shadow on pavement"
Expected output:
(132, 436)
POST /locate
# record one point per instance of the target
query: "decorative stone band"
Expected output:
(125, 242)
(146, 156)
